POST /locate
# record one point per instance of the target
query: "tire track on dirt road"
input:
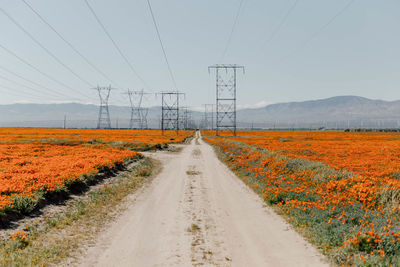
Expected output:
(196, 212)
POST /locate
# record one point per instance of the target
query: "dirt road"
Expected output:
(196, 212)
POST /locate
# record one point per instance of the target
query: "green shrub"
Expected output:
(23, 204)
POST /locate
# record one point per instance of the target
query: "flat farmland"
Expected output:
(341, 189)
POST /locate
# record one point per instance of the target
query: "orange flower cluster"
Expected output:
(40, 160)
(29, 168)
(355, 191)
(79, 136)
(373, 157)
(19, 236)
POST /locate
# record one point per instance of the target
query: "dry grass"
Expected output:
(66, 235)
(390, 198)
(192, 173)
(196, 152)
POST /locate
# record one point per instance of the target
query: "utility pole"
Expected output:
(104, 121)
(183, 117)
(65, 121)
(170, 110)
(205, 119)
(143, 118)
(188, 123)
(159, 122)
(209, 116)
(137, 120)
(226, 96)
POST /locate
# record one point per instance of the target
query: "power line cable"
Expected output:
(38, 70)
(326, 25)
(11, 91)
(162, 45)
(232, 31)
(45, 48)
(26, 86)
(24, 93)
(32, 82)
(282, 22)
(69, 43)
(115, 44)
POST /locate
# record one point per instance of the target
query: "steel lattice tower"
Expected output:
(170, 111)
(143, 118)
(138, 114)
(104, 121)
(184, 118)
(189, 120)
(226, 96)
(209, 116)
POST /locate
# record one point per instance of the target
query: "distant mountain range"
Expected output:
(340, 111)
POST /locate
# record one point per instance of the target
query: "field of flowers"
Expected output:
(132, 139)
(35, 163)
(342, 190)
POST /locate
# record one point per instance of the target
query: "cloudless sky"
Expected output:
(358, 53)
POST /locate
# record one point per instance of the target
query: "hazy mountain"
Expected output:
(354, 111)
(77, 115)
(341, 111)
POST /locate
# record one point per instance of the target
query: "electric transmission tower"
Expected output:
(138, 114)
(184, 118)
(170, 110)
(104, 121)
(226, 96)
(143, 117)
(209, 116)
(189, 120)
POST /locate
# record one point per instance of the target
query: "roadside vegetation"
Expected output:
(137, 140)
(82, 174)
(42, 165)
(54, 239)
(352, 218)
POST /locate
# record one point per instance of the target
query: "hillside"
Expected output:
(354, 111)
(340, 111)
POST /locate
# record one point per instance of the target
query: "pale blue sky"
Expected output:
(357, 54)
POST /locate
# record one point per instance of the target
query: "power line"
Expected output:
(115, 44)
(44, 48)
(24, 93)
(11, 91)
(38, 70)
(232, 30)
(282, 22)
(226, 87)
(326, 25)
(104, 120)
(32, 82)
(162, 46)
(22, 85)
(69, 43)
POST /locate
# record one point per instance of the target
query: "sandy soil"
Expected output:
(197, 212)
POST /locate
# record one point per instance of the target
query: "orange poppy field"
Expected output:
(34, 162)
(342, 189)
(135, 139)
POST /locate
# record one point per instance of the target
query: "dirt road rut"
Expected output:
(197, 213)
